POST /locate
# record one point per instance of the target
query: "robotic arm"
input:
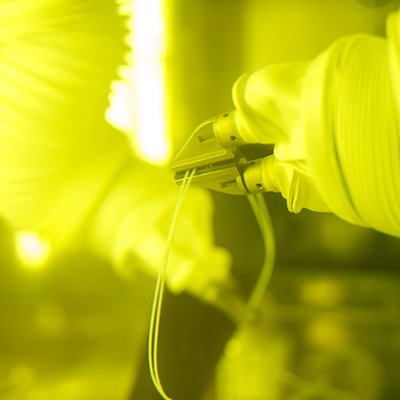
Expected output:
(225, 162)
(333, 124)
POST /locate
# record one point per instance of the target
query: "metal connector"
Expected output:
(216, 152)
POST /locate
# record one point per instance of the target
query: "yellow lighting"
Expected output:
(322, 293)
(234, 348)
(148, 78)
(138, 102)
(31, 250)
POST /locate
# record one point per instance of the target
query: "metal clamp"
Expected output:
(220, 158)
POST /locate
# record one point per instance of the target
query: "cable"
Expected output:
(261, 213)
(154, 326)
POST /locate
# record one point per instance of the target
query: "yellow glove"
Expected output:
(269, 105)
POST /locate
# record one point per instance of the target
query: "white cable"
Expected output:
(154, 326)
(261, 213)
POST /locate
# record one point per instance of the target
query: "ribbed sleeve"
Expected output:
(351, 125)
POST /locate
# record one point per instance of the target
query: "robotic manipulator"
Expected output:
(223, 162)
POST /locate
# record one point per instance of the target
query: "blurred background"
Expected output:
(329, 328)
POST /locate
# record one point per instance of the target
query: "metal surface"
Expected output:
(219, 156)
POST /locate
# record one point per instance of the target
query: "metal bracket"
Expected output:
(219, 166)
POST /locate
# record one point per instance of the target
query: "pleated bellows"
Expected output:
(57, 154)
(353, 132)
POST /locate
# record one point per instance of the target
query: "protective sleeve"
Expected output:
(335, 123)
